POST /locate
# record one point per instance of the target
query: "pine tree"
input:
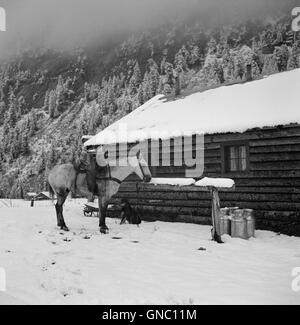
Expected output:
(177, 83)
(52, 104)
(228, 65)
(2, 111)
(24, 141)
(212, 46)
(51, 157)
(136, 79)
(163, 61)
(239, 66)
(21, 106)
(169, 74)
(181, 59)
(153, 77)
(12, 114)
(111, 95)
(270, 65)
(282, 56)
(32, 126)
(194, 57)
(294, 60)
(255, 70)
(146, 88)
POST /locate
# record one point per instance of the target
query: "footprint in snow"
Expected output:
(75, 272)
(71, 291)
(45, 267)
(67, 239)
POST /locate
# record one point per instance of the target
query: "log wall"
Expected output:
(271, 186)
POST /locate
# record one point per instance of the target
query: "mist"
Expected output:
(65, 24)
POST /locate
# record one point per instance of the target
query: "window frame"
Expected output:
(224, 158)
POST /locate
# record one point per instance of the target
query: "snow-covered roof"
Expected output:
(45, 193)
(271, 101)
(31, 194)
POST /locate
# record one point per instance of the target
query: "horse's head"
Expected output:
(140, 167)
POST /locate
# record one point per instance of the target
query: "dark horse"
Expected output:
(66, 178)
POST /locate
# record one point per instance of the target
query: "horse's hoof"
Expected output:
(104, 230)
(64, 228)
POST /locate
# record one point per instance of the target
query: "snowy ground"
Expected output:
(157, 263)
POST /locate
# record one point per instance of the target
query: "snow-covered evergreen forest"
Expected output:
(49, 99)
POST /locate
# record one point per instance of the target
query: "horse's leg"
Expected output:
(59, 208)
(102, 215)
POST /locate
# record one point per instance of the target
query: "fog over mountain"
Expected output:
(83, 64)
(64, 24)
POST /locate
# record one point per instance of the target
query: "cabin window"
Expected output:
(235, 157)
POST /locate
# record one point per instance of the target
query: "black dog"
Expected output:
(129, 214)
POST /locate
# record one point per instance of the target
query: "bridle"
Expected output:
(109, 177)
(116, 180)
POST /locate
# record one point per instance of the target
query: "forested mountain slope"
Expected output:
(50, 99)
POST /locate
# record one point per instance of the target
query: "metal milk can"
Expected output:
(239, 225)
(225, 224)
(249, 216)
(231, 210)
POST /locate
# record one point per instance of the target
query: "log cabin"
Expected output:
(250, 133)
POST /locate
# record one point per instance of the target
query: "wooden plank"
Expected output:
(167, 159)
(191, 197)
(170, 210)
(254, 134)
(269, 189)
(276, 165)
(212, 146)
(174, 195)
(188, 189)
(289, 216)
(238, 189)
(275, 148)
(275, 157)
(169, 171)
(147, 187)
(285, 215)
(260, 197)
(279, 206)
(171, 203)
(258, 174)
(275, 142)
(240, 182)
(264, 182)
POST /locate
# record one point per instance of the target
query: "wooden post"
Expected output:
(216, 213)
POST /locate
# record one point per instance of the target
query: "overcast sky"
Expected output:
(65, 23)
